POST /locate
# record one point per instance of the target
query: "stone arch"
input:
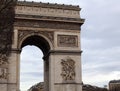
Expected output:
(43, 43)
(38, 40)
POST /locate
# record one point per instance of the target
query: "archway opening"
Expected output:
(31, 57)
(31, 67)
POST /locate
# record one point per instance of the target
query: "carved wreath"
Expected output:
(68, 69)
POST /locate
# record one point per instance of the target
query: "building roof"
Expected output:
(114, 81)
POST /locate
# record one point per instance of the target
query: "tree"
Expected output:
(7, 15)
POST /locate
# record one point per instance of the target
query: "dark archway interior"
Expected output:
(37, 41)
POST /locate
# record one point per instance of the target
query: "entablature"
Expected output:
(49, 18)
(46, 9)
(46, 15)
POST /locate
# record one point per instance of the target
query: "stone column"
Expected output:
(46, 74)
(13, 79)
(65, 71)
(65, 63)
(13, 67)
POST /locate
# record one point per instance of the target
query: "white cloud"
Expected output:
(101, 78)
(31, 67)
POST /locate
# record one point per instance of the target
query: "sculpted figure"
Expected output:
(68, 69)
(3, 73)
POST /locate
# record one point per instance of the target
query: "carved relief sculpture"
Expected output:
(3, 66)
(68, 69)
(3, 59)
(24, 33)
(3, 73)
(67, 40)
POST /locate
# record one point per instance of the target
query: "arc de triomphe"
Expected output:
(55, 29)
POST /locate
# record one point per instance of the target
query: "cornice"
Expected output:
(63, 52)
(50, 18)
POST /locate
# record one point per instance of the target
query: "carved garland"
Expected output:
(68, 69)
(23, 33)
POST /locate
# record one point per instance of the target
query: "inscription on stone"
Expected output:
(68, 69)
(67, 40)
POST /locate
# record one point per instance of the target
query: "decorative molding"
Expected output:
(48, 18)
(14, 50)
(68, 69)
(49, 35)
(24, 33)
(45, 9)
(62, 52)
(47, 24)
(67, 40)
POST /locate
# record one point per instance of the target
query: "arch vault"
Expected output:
(55, 29)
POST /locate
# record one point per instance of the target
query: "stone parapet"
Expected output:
(46, 9)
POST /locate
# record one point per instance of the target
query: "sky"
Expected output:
(100, 41)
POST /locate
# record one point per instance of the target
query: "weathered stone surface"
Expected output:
(55, 29)
(68, 69)
(67, 40)
(47, 24)
(47, 9)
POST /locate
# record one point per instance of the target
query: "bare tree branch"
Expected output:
(6, 3)
(7, 14)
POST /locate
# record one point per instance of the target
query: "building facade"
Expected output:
(114, 85)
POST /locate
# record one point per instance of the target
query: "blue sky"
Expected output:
(100, 41)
